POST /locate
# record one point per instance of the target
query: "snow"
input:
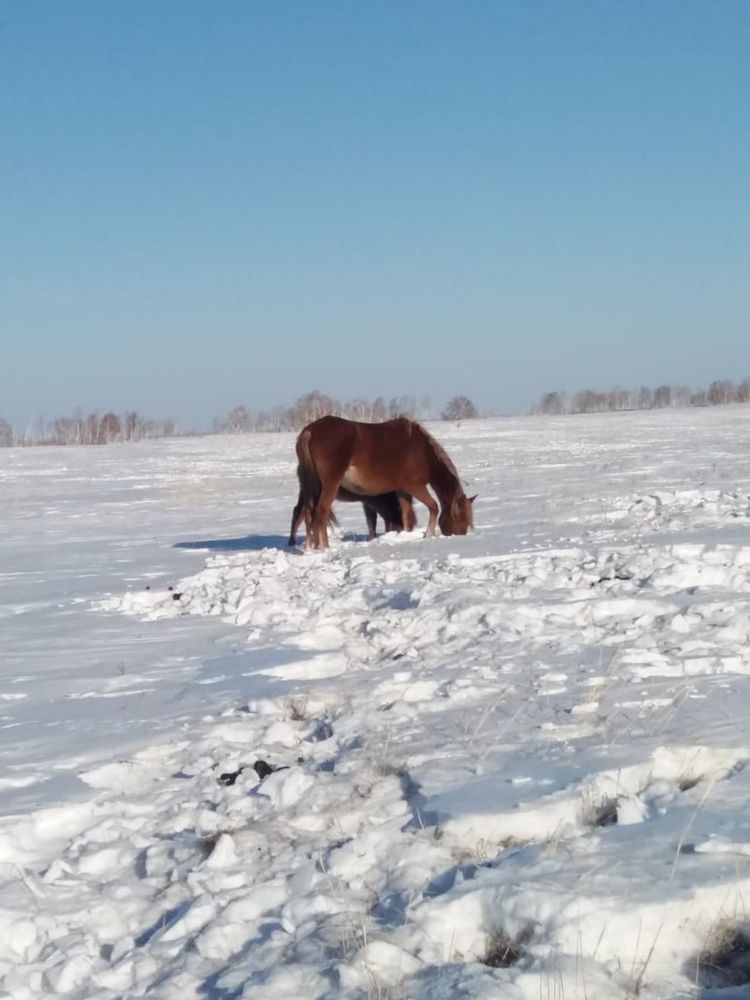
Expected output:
(506, 765)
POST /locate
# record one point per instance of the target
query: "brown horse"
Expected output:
(371, 459)
(397, 513)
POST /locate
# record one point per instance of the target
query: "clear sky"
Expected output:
(206, 204)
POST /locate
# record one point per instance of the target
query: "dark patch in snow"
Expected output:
(229, 777)
(139, 865)
(603, 813)
(727, 962)
(607, 814)
(503, 951)
(685, 784)
(262, 768)
(323, 731)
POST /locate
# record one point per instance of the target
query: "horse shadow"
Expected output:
(248, 543)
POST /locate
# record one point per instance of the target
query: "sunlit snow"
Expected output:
(506, 765)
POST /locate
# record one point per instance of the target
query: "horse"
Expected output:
(397, 513)
(372, 459)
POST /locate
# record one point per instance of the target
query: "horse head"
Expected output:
(459, 517)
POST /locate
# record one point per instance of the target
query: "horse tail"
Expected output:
(309, 480)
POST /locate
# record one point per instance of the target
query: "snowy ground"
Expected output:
(511, 765)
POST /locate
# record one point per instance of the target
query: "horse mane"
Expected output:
(443, 460)
(441, 455)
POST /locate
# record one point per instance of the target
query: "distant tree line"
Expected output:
(110, 427)
(312, 406)
(309, 407)
(315, 404)
(719, 393)
(96, 428)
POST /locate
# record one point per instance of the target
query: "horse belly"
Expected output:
(356, 482)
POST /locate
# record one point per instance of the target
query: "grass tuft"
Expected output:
(504, 951)
(725, 962)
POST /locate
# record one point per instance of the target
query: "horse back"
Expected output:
(370, 458)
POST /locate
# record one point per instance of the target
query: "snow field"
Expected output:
(501, 773)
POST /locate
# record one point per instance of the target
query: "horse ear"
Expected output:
(472, 499)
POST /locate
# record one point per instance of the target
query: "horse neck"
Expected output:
(445, 482)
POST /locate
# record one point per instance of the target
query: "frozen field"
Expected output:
(512, 765)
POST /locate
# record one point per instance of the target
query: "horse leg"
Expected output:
(309, 538)
(371, 516)
(322, 513)
(424, 496)
(407, 514)
(297, 515)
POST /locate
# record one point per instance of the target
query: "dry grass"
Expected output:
(296, 708)
(390, 768)
(504, 951)
(597, 810)
(687, 781)
(725, 961)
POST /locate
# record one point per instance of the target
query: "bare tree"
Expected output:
(67, 430)
(110, 428)
(131, 425)
(312, 406)
(619, 399)
(425, 408)
(402, 406)
(379, 411)
(356, 409)
(237, 421)
(681, 395)
(585, 401)
(721, 392)
(459, 408)
(6, 434)
(553, 403)
(663, 396)
(278, 419)
(645, 397)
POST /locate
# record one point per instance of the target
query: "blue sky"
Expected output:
(205, 204)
